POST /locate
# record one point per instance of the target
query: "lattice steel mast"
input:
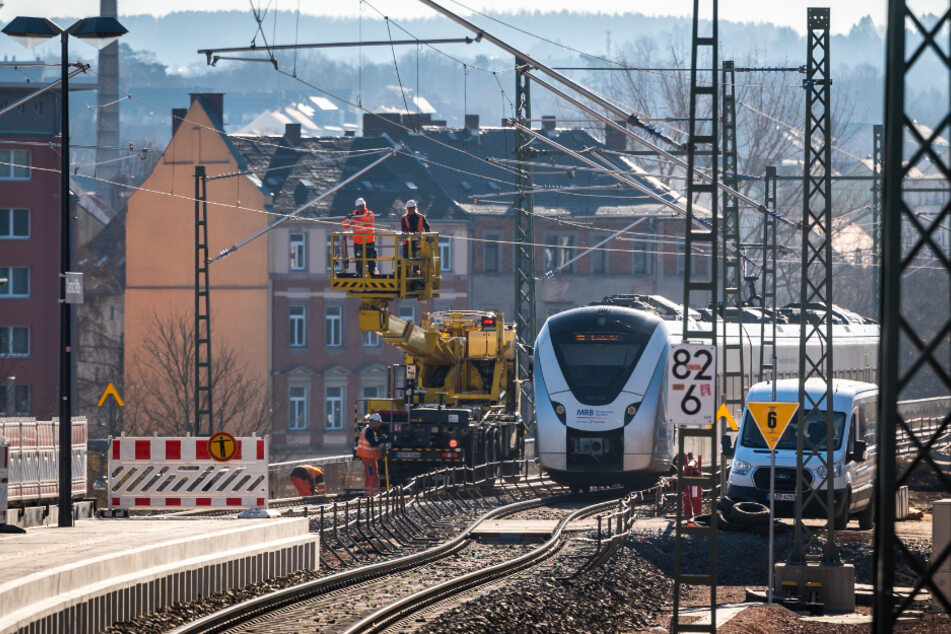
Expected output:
(203, 379)
(701, 287)
(733, 388)
(815, 337)
(912, 350)
(524, 265)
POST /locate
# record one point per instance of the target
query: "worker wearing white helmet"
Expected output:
(369, 452)
(412, 222)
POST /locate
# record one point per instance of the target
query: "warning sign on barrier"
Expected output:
(222, 446)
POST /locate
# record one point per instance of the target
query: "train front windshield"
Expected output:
(598, 364)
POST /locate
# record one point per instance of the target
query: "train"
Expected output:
(600, 380)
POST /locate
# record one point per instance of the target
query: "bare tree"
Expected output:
(161, 386)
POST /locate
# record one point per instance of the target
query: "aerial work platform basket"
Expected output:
(393, 266)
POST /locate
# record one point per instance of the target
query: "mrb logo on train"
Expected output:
(691, 384)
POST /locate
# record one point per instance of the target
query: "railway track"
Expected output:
(343, 599)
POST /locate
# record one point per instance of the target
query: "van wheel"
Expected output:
(867, 517)
(841, 521)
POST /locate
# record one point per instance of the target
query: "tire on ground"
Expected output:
(725, 504)
(749, 513)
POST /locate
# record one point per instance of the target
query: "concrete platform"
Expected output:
(84, 578)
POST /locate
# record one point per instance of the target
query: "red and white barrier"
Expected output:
(180, 473)
(34, 458)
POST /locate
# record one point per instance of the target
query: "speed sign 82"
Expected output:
(691, 384)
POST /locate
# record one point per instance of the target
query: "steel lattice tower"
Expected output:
(913, 349)
(815, 335)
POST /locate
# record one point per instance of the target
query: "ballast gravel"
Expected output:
(626, 594)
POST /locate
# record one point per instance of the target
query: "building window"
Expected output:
(557, 252)
(14, 341)
(490, 254)
(599, 256)
(14, 223)
(17, 282)
(694, 261)
(21, 400)
(333, 407)
(445, 253)
(366, 394)
(297, 408)
(14, 165)
(333, 324)
(408, 313)
(371, 340)
(298, 252)
(297, 337)
(643, 259)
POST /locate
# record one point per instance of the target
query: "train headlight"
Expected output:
(631, 411)
(559, 412)
(741, 467)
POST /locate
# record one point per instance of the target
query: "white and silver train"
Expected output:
(600, 391)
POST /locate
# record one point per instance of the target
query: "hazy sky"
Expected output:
(783, 12)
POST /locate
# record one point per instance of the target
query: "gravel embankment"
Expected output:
(625, 595)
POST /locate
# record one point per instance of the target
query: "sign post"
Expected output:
(772, 419)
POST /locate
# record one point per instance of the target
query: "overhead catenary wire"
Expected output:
(334, 221)
(306, 205)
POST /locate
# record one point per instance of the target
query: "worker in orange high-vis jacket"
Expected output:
(308, 480)
(369, 451)
(360, 222)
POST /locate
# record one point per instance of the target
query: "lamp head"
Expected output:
(31, 32)
(100, 32)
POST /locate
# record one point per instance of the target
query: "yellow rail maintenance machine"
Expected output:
(453, 400)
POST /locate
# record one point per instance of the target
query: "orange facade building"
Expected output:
(160, 254)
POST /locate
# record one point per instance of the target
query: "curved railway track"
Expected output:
(330, 597)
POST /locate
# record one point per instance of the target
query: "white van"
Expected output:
(854, 407)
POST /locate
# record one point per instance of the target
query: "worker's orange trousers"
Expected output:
(371, 477)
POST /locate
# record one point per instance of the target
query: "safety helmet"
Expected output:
(359, 202)
(411, 204)
(376, 417)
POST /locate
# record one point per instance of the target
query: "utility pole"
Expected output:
(203, 371)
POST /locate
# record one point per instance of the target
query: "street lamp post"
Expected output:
(99, 32)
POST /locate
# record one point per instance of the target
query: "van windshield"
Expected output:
(815, 431)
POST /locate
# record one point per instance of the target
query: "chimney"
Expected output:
(472, 122)
(415, 121)
(178, 114)
(303, 192)
(548, 122)
(379, 123)
(614, 139)
(292, 134)
(215, 102)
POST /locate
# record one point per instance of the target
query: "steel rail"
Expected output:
(401, 609)
(259, 606)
